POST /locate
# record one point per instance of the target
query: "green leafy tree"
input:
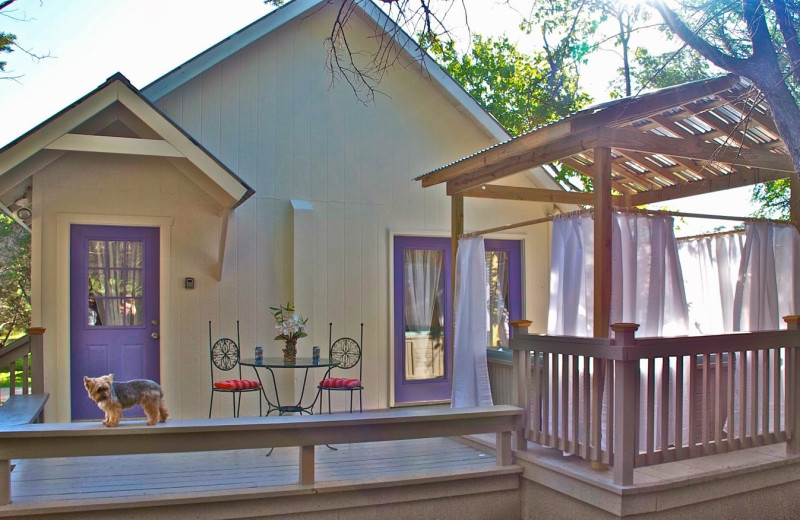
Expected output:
(7, 40)
(572, 30)
(511, 85)
(15, 279)
(514, 88)
(567, 29)
(654, 71)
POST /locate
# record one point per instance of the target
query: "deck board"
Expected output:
(128, 477)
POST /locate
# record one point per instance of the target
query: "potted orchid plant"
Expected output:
(291, 326)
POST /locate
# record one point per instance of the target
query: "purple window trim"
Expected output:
(406, 391)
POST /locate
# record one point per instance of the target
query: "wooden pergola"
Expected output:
(695, 138)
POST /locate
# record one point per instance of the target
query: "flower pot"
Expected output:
(290, 352)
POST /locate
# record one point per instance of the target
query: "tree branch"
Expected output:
(709, 52)
(6, 3)
(790, 38)
(763, 50)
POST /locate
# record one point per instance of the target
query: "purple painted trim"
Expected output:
(419, 391)
(128, 352)
(416, 391)
(514, 250)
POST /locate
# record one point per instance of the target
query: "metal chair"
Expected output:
(347, 352)
(225, 357)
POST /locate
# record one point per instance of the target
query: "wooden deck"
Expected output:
(92, 484)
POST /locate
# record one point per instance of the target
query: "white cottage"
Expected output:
(249, 172)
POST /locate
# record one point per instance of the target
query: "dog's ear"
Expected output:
(110, 377)
(88, 383)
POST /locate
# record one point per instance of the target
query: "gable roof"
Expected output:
(296, 8)
(45, 143)
(699, 137)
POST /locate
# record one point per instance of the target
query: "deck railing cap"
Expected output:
(623, 327)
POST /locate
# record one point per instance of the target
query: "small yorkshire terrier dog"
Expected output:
(112, 397)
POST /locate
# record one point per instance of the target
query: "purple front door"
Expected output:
(114, 314)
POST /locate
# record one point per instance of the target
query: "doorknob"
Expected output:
(154, 335)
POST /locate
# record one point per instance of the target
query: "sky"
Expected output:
(87, 41)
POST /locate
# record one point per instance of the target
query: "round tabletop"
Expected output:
(278, 362)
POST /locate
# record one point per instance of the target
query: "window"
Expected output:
(504, 274)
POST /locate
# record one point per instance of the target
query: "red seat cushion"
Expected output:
(237, 384)
(339, 382)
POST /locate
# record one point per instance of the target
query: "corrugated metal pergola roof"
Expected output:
(694, 138)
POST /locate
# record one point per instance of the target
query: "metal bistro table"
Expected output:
(271, 363)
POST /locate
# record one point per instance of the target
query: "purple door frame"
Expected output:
(409, 391)
(406, 391)
(127, 351)
(514, 250)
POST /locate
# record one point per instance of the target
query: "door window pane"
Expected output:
(97, 282)
(115, 280)
(116, 253)
(134, 255)
(97, 253)
(497, 276)
(133, 285)
(424, 314)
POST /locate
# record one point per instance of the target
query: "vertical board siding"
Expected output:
(284, 113)
(264, 182)
(248, 118)
(303, 95)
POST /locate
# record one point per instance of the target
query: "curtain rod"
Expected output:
(697, 215)
(509, 226)
(621, 210)
(710, 235)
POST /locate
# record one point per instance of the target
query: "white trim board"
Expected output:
(19, 159)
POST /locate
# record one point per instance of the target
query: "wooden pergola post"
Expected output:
(456, 230)
(602, 276)
(602, 241)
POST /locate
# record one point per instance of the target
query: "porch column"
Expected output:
(793, 388)
(626, 382)
(602, 241)
(521, 382)
(36, 335)
(456, 230)
(602, 278)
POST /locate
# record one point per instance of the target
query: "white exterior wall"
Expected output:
(270, 114)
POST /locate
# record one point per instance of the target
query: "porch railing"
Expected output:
(632, 402)
(28, 350)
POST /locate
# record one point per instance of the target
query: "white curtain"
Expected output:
(710, 268)
(423, 286)
(768, 286)
(646, 281)
(571, 311)
(470, 371)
